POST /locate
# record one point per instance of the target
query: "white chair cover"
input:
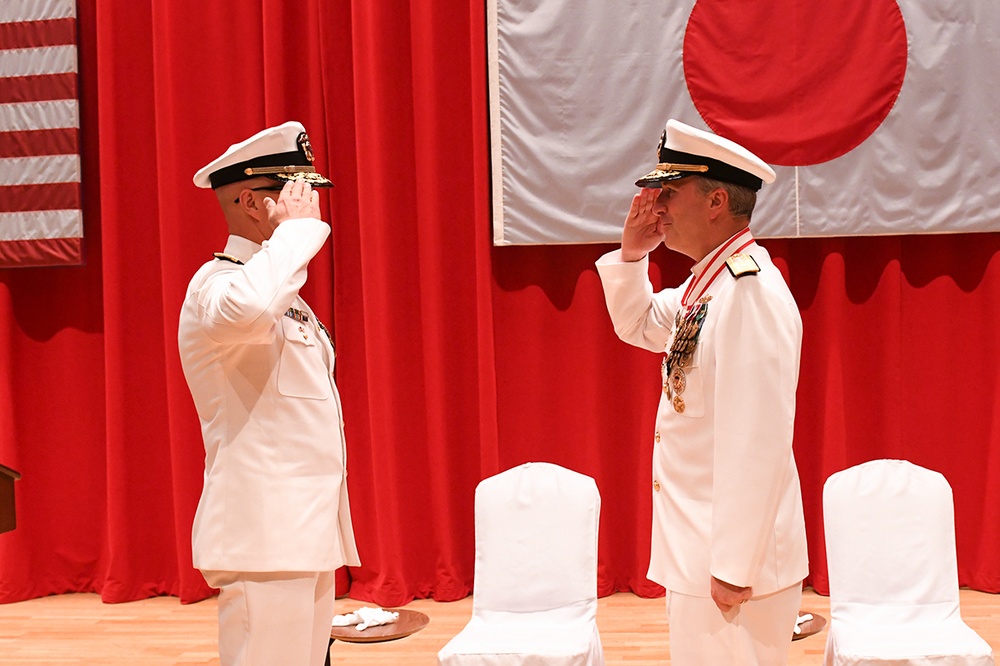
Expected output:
(890, 547)
(535, 594)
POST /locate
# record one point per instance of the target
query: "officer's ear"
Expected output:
(246, 200)
(718, 201)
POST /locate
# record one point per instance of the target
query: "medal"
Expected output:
(678, 380)
(687, 329)
(693, 309)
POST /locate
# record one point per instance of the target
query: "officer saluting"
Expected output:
(728, 537)
(273, 522)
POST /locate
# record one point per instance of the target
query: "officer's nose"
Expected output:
(660, 206)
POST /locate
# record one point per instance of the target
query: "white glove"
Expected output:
(372, 617)
(346, 620)
(801, 619)
(365, 617)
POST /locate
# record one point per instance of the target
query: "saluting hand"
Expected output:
(296, 199)
(643, 229)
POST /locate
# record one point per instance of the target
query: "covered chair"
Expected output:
(890, 548)
(535, 594)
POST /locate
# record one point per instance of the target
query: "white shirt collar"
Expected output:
(241, 248)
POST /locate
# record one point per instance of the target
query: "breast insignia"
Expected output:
(740, 264)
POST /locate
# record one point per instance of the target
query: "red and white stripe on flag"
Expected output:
(41, 222)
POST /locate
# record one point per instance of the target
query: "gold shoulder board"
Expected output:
(742, 264)
(227, 257)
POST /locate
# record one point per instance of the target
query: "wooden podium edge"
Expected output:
(8, 521)
(12, 473)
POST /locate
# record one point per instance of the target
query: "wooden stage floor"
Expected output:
(78, 629)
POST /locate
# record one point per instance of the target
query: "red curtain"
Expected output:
(456, 359)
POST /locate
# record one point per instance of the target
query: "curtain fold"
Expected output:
(456, 359)
(414, 307)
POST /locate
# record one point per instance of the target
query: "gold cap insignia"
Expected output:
(306, 147)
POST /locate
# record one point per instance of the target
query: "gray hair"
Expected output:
(741, 199)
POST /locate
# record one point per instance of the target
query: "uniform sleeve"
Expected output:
(758, 343)
(242, 304)
(640, 317)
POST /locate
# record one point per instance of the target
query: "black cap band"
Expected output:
(717, 170)
(237, 172)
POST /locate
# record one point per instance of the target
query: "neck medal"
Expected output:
(687, 329)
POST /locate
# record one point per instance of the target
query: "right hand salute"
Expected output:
(643, 230)
(296, 199)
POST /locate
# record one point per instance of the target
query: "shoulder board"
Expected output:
(227, 257)
(741, 264)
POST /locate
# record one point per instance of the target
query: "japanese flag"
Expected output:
(880, 116)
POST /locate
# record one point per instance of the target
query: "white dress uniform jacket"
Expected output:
(726, 498)
(260, 371)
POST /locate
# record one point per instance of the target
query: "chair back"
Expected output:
(536, 540)
(890, 544)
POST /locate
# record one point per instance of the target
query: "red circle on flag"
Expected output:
(796, 81)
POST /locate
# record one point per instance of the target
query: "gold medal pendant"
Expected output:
(678, 380)
(678, 403)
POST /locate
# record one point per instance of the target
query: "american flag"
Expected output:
(41, 223)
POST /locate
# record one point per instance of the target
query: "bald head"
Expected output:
(243, 206)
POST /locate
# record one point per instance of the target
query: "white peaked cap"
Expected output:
(689, 151)
(281, 153)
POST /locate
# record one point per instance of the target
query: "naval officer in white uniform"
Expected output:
(728, 537)
(273, 522)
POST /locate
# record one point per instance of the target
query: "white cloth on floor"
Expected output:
(365, 617)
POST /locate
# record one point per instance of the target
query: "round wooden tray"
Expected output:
(810, 627)
(409, 622)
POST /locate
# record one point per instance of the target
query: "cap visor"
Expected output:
(311, 177)
(654, 178)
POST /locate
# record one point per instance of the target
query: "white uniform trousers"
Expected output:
(756, 633)
(274, 618)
